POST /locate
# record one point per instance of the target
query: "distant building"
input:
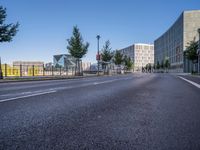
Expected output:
(140, 54)
(64, 60)
(29, 67)
(28, 63)
(172, 44)
(49, 65)
(86, 65)
(68, 61)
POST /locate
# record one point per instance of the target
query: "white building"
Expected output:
(141, 54)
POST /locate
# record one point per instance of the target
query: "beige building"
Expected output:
(28, 63)
(29, 67)
(141, 54)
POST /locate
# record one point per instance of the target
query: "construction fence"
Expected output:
(35, 70)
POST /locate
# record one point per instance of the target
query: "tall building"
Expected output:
(140, 54)
(64, 60)
(172, 44)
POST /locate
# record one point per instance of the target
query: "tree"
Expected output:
(150, 68)
(77, 48)
(191, 52)
(7, 31)
(154, 67)
(106, 54)
(118, 59)
(162, 64)
(158, 65)
(128, 63)
(166, 64)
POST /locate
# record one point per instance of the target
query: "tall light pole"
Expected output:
(98, 56)
(1, 73)
(198, 52)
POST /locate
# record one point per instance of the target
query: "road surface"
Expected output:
(140, 111)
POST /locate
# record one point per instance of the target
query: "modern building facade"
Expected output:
(172, 44)
(141, 54)
(67, 61)
(64, 60)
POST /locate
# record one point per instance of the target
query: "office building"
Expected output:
(140, 54)
(172, 44)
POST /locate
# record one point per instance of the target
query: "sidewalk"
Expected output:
(41, 78)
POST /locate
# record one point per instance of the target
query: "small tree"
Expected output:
(158, 65)
(154, 67)
(191, 52)
(77, 48)
(166, 64)
(146, 67)
(150, 68)
(106, 54)
(118, 59)
(7, 31)
(162, 64)
(128, 63)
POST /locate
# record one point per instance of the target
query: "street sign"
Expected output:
(98, 57)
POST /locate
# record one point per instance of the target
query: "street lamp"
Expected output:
(1, 73)
(98, 56)
(198, 52)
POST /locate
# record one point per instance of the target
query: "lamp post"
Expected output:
(198, 52)
(1, 73)
(98, 56)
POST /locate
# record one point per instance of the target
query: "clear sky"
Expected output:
(46, 24)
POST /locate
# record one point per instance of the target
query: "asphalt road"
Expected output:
(140, 111)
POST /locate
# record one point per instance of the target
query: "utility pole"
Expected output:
(198, 52)
(98, 56)
(1, 73)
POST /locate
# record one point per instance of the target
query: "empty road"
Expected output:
(136, 111)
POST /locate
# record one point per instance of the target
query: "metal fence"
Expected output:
(35, 70)
(41, 70)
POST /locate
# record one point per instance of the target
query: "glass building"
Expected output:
(172, 44)
(64, 61)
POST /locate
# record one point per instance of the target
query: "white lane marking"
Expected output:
(191, 82)
(25, 96)
(52, 90)
(96, 83)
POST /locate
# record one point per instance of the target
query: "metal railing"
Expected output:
(35, 70)
(41, 70)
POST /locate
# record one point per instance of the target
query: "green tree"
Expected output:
(166, 64)
(128, 63)
(77, 48)
(191, 52)
(162, 64)
(106, 54)
(158, 65)
(154, 66)
(118, 59)
(7, 31)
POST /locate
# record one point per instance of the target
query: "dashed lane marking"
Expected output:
(25, 96)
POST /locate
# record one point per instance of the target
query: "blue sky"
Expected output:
(46, 24)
